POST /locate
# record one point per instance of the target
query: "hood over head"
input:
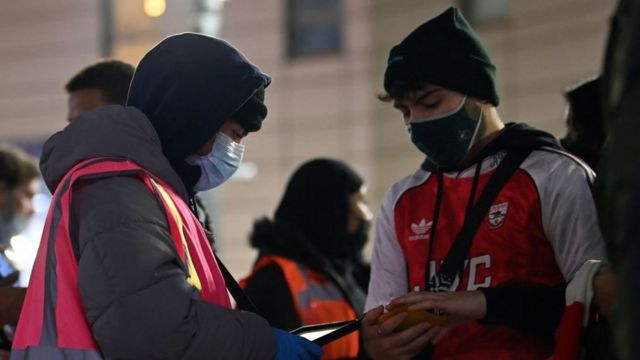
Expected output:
(312, 213)
(188, 86)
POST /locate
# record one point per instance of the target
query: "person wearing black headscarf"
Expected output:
(489, 229)
(318, 232)
(585, 124)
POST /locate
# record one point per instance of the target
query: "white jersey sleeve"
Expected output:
(569, 217)
(389, 278)
(388, 266)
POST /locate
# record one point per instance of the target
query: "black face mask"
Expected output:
(446, 138)
(355, 242)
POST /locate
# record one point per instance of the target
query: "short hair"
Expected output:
(111, 77)
(16, 167)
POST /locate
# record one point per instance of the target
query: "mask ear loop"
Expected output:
(477, 130)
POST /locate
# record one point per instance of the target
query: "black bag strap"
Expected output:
(242, 299)
(454, 262)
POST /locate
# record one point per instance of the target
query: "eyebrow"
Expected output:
(425, 95)
(418, 98)
(241, 133)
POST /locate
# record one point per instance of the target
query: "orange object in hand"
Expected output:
(414, 317)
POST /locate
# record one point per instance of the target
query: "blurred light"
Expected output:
(246, 172)
(41, 202)
(22, 244)
(24, 247)
(210, 23)
(11, 255)
(214, 5)
(19, 244)
(155, 8)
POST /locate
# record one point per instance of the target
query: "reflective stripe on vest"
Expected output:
(317, 300)
(177, 232)
(53, 324)
(326, 291)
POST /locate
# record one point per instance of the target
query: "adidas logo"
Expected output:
(420, 230)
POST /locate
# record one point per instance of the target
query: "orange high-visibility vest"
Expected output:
(317, 300)
(53, 324)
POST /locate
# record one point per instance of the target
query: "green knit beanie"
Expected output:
(443, 51)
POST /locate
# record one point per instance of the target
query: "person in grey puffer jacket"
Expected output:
(192, 100)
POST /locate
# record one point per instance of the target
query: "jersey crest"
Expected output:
(497, 213)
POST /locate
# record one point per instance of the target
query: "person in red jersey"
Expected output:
(489, 229)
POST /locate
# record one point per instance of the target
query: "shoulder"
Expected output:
(269, 279)
(555, 168)
(106, 203)
(121, 190)
(402, 187)
(269, 274)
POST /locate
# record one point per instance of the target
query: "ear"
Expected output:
(487, 106)
(482, 102)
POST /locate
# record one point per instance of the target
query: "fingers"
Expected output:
(382, 342)
(390, 325)
(386, 342)
(371, 317)
(471, 304)
(417, 297)
(433, 332)
(411, 341)
(409, 298)
(428, 302)
(443, 332)
(429, 305)
(404, 337)
(433, 335)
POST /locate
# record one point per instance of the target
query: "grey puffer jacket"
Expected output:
(131, 280)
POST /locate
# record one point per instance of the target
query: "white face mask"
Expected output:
(220, 164)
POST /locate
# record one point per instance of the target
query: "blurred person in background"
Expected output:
(123, 256)
(585, 138)
(310, 268)
(107, 83)
(492, 256)
(102, 83)
(19, 182)
(585, 121)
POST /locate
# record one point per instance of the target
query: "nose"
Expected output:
(366, 212)
(29, 210)
(25, 207)
(416, 113)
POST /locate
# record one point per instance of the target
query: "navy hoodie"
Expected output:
(188, 86)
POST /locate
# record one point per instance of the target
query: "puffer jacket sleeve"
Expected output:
(134, 287)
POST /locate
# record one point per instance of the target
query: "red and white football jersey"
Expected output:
(539, 230)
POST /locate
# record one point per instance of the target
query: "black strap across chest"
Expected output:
(453, 264)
